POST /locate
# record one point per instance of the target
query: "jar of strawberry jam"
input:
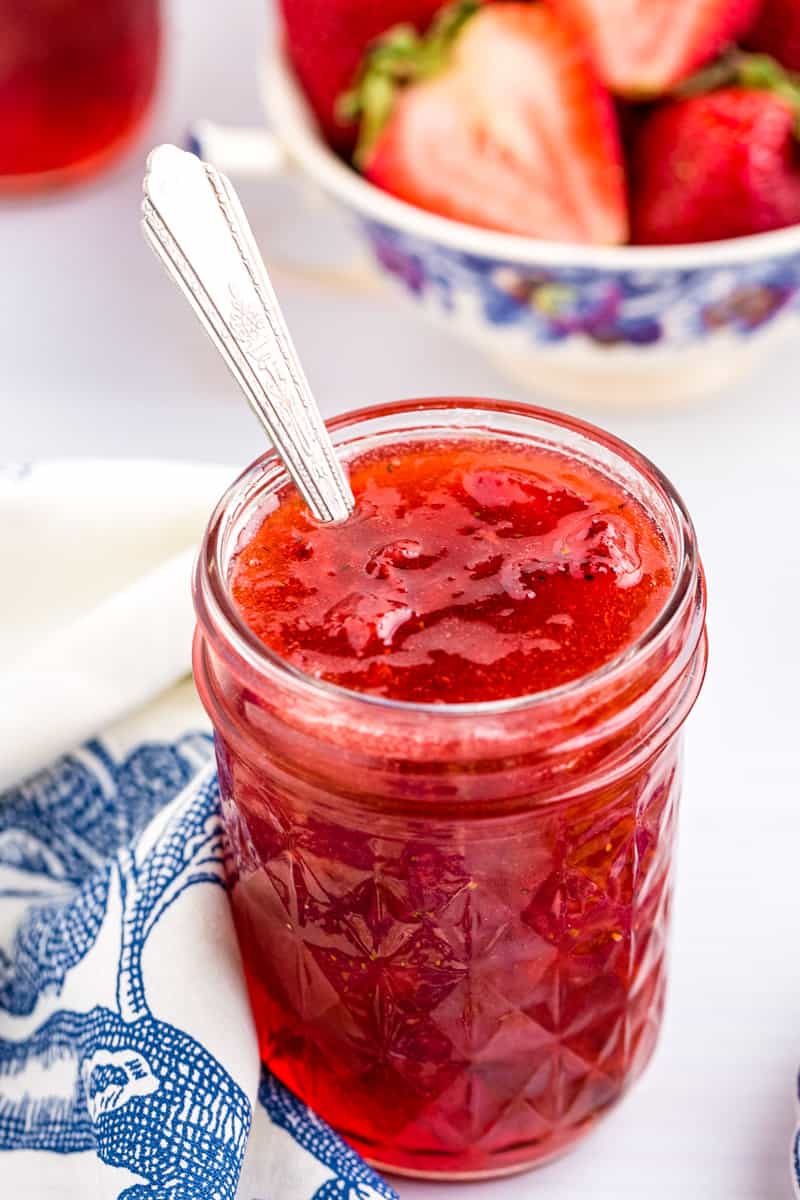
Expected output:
(77, 79)
(448, 737)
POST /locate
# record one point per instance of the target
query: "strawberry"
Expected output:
(721, 163)
(326, 40)
(501, 123)
(777, 32)
(643, 48)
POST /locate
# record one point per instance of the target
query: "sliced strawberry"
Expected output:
(722, 164)
(326, 40)
(645, 47)
(777, 32)
(505, 127)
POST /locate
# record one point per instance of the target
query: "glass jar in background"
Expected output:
(76, 79)
(453, 919)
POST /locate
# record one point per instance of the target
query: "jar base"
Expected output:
(56, 179)
(502, 1171)
(466, 1176)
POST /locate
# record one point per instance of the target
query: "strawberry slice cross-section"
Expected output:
(643, 47)
(505, 127)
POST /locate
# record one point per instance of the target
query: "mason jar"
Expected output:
(453, 918)
(77, 79)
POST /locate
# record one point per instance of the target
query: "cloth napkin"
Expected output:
(128, 1060)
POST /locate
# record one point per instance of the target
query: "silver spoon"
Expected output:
(196, 225)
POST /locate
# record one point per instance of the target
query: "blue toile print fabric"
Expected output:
(128, 1061)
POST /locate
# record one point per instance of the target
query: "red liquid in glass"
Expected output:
(468, 573)
(76, 77)
(460, 989)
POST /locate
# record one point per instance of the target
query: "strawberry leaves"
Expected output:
(399, 58)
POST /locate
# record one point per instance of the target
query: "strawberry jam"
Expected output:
(448, 738)
(469, 572)
(76, 80)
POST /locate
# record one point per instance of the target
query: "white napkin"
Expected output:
(128, 1062)
(95, 611)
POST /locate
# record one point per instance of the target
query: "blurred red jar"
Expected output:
(453, 918)
(76, 79)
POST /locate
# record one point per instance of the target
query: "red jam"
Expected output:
(469, 572)
(453, 920)
(76, 78)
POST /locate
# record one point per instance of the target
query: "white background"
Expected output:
(100, 356)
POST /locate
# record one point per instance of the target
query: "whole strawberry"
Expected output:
(495, 119)
(777, 32)
(720, 164)
(642, 48)
(326, 40)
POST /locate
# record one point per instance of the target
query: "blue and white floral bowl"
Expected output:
(632, 324)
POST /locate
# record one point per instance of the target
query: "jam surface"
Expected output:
(470, 571)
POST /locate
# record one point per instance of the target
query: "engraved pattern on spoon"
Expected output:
(193, 220)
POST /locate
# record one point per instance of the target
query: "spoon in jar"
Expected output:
(193, 220)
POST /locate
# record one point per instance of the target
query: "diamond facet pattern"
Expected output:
(456, 997)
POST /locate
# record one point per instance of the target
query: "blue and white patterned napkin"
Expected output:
(128, 1059)
(128, 1062)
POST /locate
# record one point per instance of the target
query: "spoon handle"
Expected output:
(195, 223)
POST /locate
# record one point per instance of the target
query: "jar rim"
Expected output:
(213, 598)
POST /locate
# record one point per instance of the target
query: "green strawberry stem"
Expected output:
(758, 72)
(400, 57)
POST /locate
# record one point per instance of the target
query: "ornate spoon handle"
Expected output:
(195, 223)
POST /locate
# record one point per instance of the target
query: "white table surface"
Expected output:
(100, 356)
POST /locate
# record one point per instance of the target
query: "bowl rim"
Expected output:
(295, 128)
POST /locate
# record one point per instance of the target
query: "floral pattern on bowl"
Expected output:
(635, 308)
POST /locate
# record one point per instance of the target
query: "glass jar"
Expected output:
(453, 917)
(76, 79)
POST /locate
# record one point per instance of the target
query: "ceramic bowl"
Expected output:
(598, 324)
